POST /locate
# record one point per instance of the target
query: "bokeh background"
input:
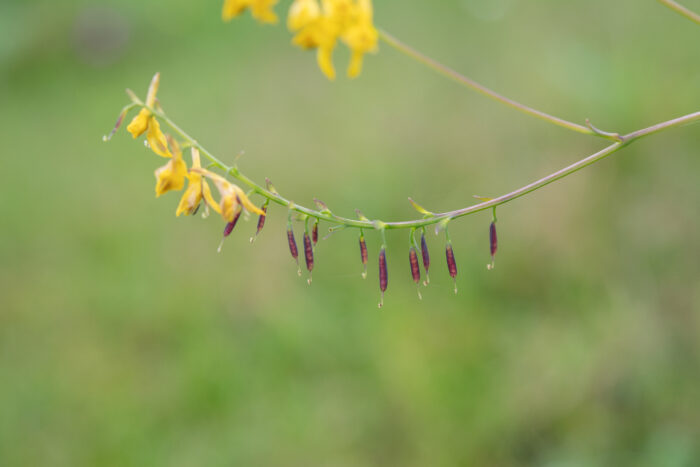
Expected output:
(126, 340)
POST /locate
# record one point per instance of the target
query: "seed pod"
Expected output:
(426, 257)
(309, 254)
(293, 247)
(383, 275)
(314, 233)
(493, 240)
(415, 268)
(261, 220)
(451, 264)
(228, 228)
(363, 254)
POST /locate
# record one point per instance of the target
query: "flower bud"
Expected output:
(314, 233)
(261, 222)
(415, 268)
(228, 228)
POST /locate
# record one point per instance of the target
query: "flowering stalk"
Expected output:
(275, 197)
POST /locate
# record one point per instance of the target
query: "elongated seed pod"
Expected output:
(314, 233)
(292, 244)
(308, 253)
(451, 263)
(261, 219)
(493, 240)
(363, 254)
(415, 268)
(426, 257)
(230, 225)
(383, 275)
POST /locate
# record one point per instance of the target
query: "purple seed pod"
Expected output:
(383, 275)
(451, 264)
(230, 226)
(493, 240)
(261, 219)
(415, 268)
(292, 244)
(308, 252)
(426, 257)
(363, 254)
(314, 233)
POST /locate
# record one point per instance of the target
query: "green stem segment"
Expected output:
(483, 90)
(680, 9)
(438, 217)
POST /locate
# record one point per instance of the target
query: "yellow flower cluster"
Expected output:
(172, 175)
(320, 26)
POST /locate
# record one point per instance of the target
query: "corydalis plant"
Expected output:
(336, 20)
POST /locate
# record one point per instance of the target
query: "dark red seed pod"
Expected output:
(292, 244)
(229, 226)
(415, 268)
(308, 252)
(261, 219)
(314, 233)
(363, 254)
(426, 256)
(451, 263)
(383, 275)
(493, 239)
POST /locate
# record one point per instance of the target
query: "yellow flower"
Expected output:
(197, 190)
(232, 196)
(172, 175)
(316, 28)
(145, 121)
(260, 9)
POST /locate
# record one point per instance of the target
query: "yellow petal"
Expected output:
(355, 66)
(171, 176)
(302, 13)
(139, 124)
(324, 57)
(190, 198)
(262, 11)
(233, 8)
(156, 138)
(208, 198)
(243, 199)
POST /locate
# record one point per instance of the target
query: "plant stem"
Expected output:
(678, 8)
(471, 84)
(624, 141)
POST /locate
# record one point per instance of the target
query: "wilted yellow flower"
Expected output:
(232, 196)
(146, 121)
(197, 190)
(172, 175)
(260, 9)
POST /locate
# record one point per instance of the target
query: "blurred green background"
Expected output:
(126, 340)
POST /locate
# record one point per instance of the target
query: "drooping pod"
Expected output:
(314, 233)
(493, 241)
(293, 247)
(363, 255)
(415, 267)
(308, 254)
(228, 228)
(383, 275)
(451, 263)
(426, 257)
(261, 221)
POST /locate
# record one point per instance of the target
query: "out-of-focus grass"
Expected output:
(126, 340)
